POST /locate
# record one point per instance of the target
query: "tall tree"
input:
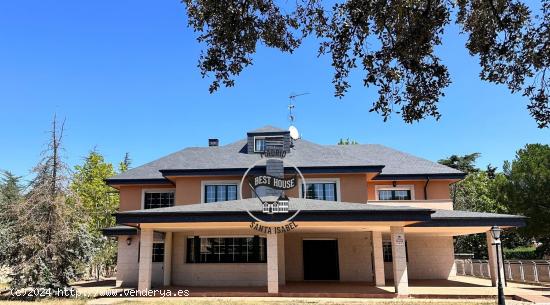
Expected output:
(48, 242)
(99, 203)
(10, 190)
(125, 164)
(393, 42)
(347, 141)
(466, 163)
(527, 190)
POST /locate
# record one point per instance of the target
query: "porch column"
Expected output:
(378, 256)
(399, 254)
(145, 259)
(167, 266)
(491, 250)
(281, 258)
(272, 264)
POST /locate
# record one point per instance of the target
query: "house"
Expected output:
(352, 213)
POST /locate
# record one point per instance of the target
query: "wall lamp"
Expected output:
(129, 241)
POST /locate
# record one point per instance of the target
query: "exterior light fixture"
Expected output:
(129, 241)
(394, 183)
(495, 231)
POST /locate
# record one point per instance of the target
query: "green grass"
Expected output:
(265, 301)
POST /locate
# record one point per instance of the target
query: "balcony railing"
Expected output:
(525, 271)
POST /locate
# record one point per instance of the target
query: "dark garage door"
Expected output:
(321, 260)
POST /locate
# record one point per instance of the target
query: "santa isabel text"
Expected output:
(273, 229)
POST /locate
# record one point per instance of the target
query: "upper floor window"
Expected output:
(394, 193)
(158, 199)
(321, 191)
(262, 143)
(220, 192)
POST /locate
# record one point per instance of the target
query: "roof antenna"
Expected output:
(294, 134)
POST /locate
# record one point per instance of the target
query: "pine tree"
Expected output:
(125, 164)
(99, 202)
(48, 243)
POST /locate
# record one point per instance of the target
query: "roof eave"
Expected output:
(443, 176)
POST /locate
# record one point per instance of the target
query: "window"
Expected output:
(397, 192)
(321, 191)
(259, 145)
(386, 248)
(226, 249)
(158, 252)
(394, 195)
(220, 192)
(387, 254)
(263, 143)
(152, 200)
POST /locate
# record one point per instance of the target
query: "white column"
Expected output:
(399, 254)
(378, 256)
(281, 258)
(491, 250)
(167, 259)
(145, 259)
(272, 264)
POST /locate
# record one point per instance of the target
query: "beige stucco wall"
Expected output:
(353, 188)
(354, 255)
(429, 257)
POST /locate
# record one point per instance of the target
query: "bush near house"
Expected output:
(522, 253)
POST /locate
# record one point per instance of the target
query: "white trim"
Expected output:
(161, 190)
(322, 180)
(389, 187)
(204, 183)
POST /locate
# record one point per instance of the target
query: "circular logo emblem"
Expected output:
(269, 189)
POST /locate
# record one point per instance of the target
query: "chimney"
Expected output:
(213, 142)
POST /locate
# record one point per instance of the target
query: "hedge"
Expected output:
(521, 253)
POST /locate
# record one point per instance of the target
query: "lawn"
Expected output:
(266, 301)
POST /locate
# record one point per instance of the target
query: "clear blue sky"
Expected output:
(123, 74)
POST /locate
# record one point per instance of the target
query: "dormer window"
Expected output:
(259, 145)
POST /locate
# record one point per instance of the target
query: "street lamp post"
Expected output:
(495, 231)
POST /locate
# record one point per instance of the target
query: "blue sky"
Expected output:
(123, 74)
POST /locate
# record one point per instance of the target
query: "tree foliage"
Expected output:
(48, 242)
(393, 42)
(347, 141)
(527, 190)
(480, 191)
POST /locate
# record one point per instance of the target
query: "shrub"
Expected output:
(522, 253)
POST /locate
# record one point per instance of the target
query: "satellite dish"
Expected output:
(294, 134)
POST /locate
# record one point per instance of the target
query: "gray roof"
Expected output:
(253, 204)
(235, 210)
(304, 154)
(453, 214)
(267, 128)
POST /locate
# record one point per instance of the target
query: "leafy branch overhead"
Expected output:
(391, 41)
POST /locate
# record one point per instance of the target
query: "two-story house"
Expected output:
(360, 213)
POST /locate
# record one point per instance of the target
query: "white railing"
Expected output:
(525, 271)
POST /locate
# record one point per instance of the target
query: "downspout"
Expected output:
(426, 188)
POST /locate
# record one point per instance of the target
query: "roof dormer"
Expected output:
(259, 140)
